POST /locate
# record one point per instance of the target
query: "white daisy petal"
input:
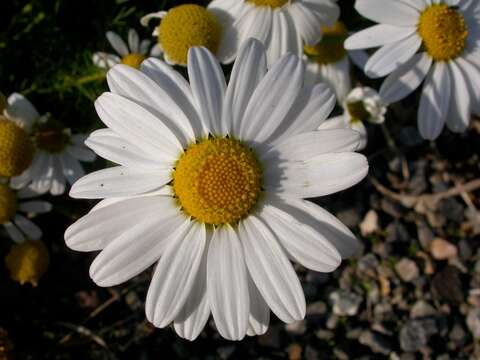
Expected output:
(302, 243)
(138, 248)
(112, 147)
(21, 110)
(133, 41)
(14, 233)
(406, 78)
(259, 311)
(174, 276)
(434, 102)
(138, 87)
(72, 169)
(311, 108)
(458, 117)
(119, 181)
(321, 175)
(271, 271)
(306, 146)
(377, 35)
(117, 43)
(321, 220)
(208, 86)
(138, 126)
(306, 22)
(391, 56)
(81, 153)
(191, 320)
(32, 231)
(177, 89)
(104, 60)
(97, 229)
(37, 207)
(391, 12)
(247, 72)
(272, 99)
(227, 285)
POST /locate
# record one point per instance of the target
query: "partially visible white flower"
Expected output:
(362, 104)
(434, 42)
(132, 54)
(186, 26)
(329, 62)
(14, 207)
(57, 153)
(284, 26)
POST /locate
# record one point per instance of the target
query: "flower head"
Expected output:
(363, 104)
(210, 186)
(132, 54)
(431, 42)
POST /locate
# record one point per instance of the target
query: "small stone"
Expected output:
(422, 309)
(323, 334)
(375, 341)
(442, 249)
(295, 352)
(311, 353)
(345, 303)
(367, 265)
(415, 334)
(297, 327)
(316, 308)
(369, 223)
(473, 322)
(407, 270)
(458, 335)
(396, 231)
(425, 235)
(447, 285)
(332, 322)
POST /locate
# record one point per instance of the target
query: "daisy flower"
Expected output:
(132, 54)
(12, 205)
(210, 187)
(186, 26)
(282, 25)
(56, 153)
(329, 62)
(431, 41)
(362, 104)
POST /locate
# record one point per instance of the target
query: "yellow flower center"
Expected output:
(16, 149)
(218, 181)
(51, 136)
(28, 261)
(133, 60)
(357, 111)
(186, 26)
(8, 204)
(443, 31)
(272, 3)
(330, 49)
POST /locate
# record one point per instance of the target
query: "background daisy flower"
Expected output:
(57, 158)
(282, 25)
(329, 62)
(132, 54)
(186, 26)
(16, 147)
(362, 104)
(210, 186)
(434, 42)
(12, 205)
